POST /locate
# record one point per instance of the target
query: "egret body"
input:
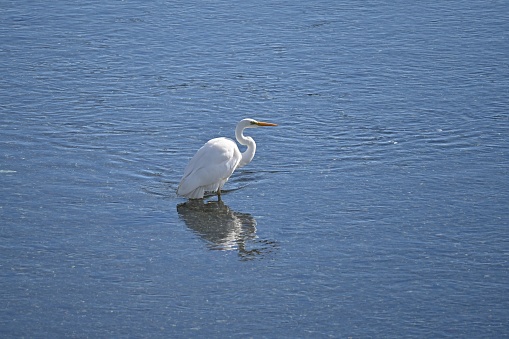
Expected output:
(213, 164)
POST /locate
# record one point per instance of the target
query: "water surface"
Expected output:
(378, 207)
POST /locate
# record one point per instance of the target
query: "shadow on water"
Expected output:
(224, 229)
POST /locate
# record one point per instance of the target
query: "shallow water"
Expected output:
(378, 207)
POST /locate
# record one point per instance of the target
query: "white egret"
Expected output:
(214, 163)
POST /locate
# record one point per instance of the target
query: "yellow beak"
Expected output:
(261, 123)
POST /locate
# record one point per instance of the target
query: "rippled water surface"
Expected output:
(378, 206)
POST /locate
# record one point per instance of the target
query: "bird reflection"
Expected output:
(224, 229)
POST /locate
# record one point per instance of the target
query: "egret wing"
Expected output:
(210, 167)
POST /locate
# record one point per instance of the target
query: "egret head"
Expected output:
(251, 123)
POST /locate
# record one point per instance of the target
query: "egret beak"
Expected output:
(261, 123)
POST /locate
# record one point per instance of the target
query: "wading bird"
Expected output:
(214, 163)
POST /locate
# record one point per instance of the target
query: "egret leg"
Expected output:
(219, 194)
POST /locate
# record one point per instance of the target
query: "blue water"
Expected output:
(377, 208)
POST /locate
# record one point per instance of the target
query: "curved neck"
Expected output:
(248, 155)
